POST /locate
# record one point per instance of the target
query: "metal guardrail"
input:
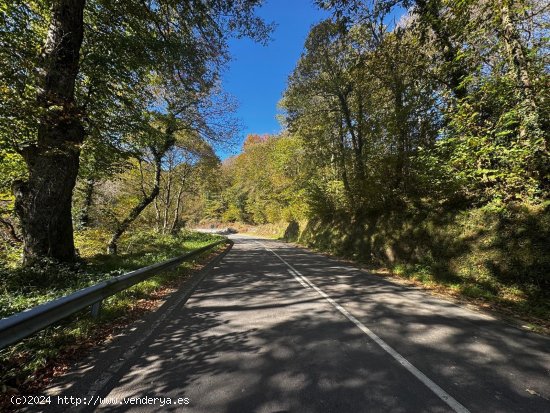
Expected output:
(26, 323)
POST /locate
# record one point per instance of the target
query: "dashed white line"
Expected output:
(442, 394)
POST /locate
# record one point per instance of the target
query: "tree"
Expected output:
(155, 148)
(181, 178)
(358, 99)
(43, 201)
(263, 184)
(81, 52)
(487, 65)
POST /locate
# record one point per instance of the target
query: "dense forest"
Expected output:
(419, 143)
(415, 133)
(107, 98)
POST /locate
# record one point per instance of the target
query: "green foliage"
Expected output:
(487, 148)
(364, 110)
(495, 253)
(12, 167)
(261, 185)
(22, 288)
(146, 80)
(22, 28)
(451, 103)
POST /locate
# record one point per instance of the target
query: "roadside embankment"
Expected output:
(497, 257)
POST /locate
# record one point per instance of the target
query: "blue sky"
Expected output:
(257, 75)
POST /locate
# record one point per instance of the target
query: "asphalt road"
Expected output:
(273, 328)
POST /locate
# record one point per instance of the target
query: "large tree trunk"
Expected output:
(356, 138)
(43, 203)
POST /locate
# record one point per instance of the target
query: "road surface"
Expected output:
(274, 328)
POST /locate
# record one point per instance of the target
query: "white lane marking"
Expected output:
(442, 394)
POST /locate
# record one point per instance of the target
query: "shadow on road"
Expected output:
(252, 339)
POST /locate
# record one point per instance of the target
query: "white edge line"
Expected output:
(442, 394)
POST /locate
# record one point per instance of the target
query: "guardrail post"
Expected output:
(95, 309)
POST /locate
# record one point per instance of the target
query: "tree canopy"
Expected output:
(120, 75)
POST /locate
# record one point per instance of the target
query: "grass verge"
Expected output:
(507, 302)
(29, 365)
(493, 256)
